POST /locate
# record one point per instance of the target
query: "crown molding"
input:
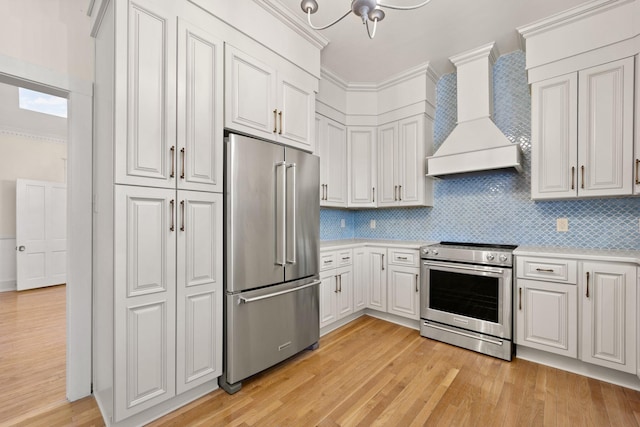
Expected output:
(574, 14)
(332, 77)
(421, 69)
(488, 50)
(293, 21)
(28, 135)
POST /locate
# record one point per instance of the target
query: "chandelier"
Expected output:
(368, 10)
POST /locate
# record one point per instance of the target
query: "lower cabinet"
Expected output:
(379, 278)
(608, 301)
(404, 291)
(336, 289)
(546, 316)
(168, 294)
(590, 316)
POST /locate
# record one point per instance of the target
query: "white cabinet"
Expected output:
(331, 140)
(401, 164)
(546, 316)
(582, 133)
(168, 285)
(404, 291)
(361, 142)
(376, 288)
(199, 289)
(264, 100)
(336, 286)
(173, 119)
(145, 298)
(636, 160)
(360, 277)
(608, 302)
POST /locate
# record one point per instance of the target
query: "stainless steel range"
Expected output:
(466, 296)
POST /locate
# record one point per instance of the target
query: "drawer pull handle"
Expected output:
(280, 131)
(275, 121)
(582, 169)
(182, 156)
(400, 192)
(573, 177)
(637, 172)
(587, 295)
(417, 289)
(520, 299)
(395, 192)
(382, 262)
(172, 226)
(545, 270)
(173, 161)
(404, 258)
(346, 258)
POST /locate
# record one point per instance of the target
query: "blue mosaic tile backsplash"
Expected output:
(495, 207)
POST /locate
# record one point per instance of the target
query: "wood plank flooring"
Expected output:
(372, 372)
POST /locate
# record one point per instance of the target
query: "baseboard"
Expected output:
(398, 320)
(340, 323)
(8, 285)
(578, 367)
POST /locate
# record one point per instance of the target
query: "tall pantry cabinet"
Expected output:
(157, 209)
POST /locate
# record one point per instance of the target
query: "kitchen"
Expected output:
(489, 208)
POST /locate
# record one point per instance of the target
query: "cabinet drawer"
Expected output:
(550, 269)
(344, 257)
(327, 260)
(404, 257)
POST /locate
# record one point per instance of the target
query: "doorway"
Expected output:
(79, 210)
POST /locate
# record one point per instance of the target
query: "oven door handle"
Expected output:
(466, 267)
(475, 337)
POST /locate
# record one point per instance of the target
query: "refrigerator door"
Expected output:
(269, 325)
(302, 214)
(255, 202)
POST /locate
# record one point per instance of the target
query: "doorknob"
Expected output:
(21, 248)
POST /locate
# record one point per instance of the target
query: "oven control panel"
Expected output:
(466, 254)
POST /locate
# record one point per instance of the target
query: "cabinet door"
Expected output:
(144, 298)
(554, 137)
(200, 102)
(547, 316)
(296, 112)
(360, 278)
(147, 155)
(332, 148)
(328, 292)
(362, 167)
(410, 161)
(377, 286)
(345, 291)
(250, 94)
(387, 165)
(605, 132)
(609, 315)
(404, 291)
(199, 289)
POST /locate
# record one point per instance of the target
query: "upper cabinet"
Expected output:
(174, 104)
(361, 143)
(331, 140)
(636, 160)
(265, 97)
(401, 164)
(582, 133)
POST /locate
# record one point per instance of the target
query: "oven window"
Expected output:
(464, 294)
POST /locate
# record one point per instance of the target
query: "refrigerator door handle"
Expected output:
(281, 218)
(292, 212)
(243, 300)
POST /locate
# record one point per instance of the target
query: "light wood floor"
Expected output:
(372, 372)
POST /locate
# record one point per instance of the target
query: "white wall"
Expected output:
(52, 34)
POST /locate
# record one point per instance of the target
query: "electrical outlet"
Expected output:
(342, 224)
(372, 223)
(562, 224)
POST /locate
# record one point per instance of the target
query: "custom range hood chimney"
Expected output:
(476, 143)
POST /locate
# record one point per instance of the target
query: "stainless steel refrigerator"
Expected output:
(272, 221)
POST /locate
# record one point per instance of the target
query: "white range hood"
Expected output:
(476, 143)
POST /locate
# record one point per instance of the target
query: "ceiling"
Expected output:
(433, 33)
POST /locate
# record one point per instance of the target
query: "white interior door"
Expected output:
(41, 233)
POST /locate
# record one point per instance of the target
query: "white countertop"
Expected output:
(613, 255)
(328, 245)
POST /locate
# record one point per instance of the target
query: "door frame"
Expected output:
(79, 94)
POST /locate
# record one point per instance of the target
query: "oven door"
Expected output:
(472, 297)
